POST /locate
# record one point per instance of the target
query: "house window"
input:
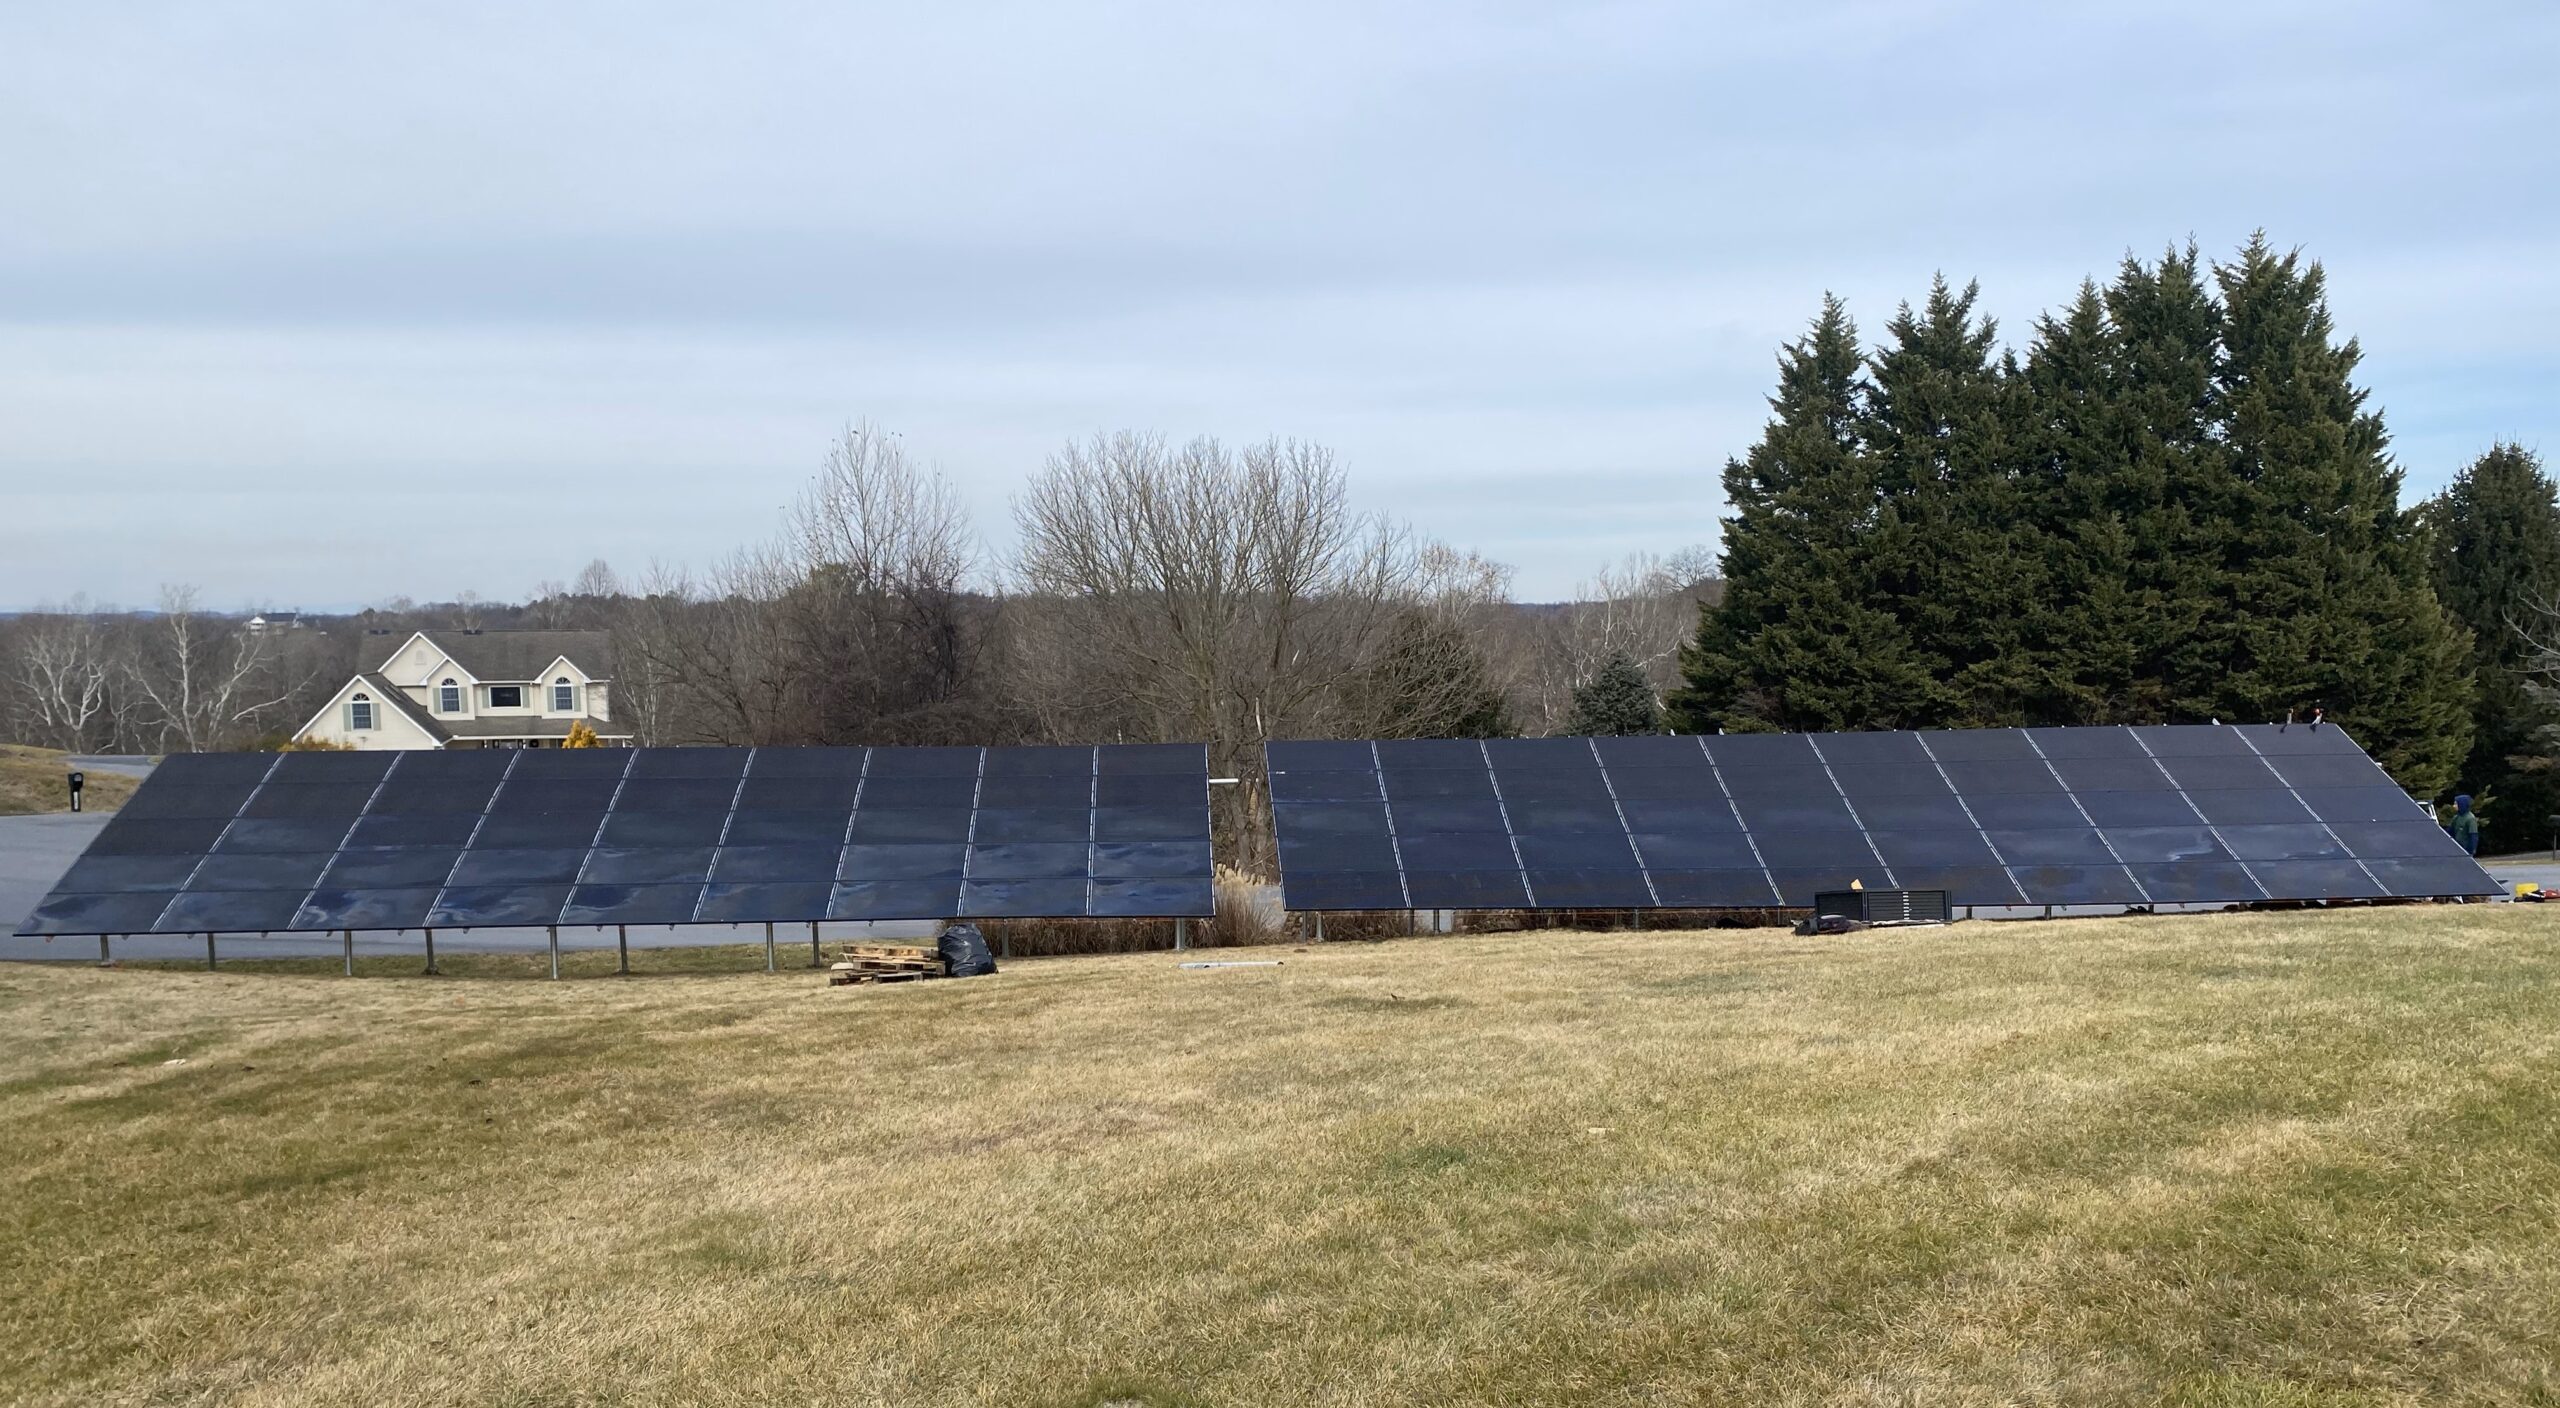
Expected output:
(563, 698)
(449, 698)
(506, 696)
(360, 713)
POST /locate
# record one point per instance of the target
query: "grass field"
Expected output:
(31, 781)
(2305, 1159)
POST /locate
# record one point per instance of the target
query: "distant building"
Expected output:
(275, 621)
(477, 689)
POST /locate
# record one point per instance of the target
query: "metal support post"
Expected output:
(350, 936)
(622, 943)
(814, 960)
(555, 949)
(1181, 935)
(208, 952)
(768, 946)
(104, 957)
(1319, 926)
(431, 952)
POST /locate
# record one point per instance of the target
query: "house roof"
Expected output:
(519, 657)
(384, 691)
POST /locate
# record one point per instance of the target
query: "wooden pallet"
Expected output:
(883, 963)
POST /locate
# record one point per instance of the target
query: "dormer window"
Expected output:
(360, 713)
(564, 697)
(449, 698)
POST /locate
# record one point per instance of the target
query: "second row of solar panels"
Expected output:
(2065, 816)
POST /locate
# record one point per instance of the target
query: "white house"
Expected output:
(477, 689)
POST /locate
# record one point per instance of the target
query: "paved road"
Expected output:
(129, 764)
(35, 850)
(2540, 872)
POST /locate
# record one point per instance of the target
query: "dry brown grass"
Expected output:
(31, 781)
(2273, 1159)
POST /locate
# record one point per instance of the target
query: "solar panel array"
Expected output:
(226, 842)
(2173, 814)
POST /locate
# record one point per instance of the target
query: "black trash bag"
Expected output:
(965, 953)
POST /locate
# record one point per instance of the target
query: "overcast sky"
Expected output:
(322, 304)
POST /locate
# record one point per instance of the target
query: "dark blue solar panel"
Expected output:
(1022, 898)
(366, 909)
(2061, 816)
(2452, 875)
(2137, 808)
(259, 872)
(507, 905)
(631, 904)
(514, 867)
(331, 800)
(1467, 889)
(925, 861)
(73, 912)
(97, 874)
(504, 837)
(2263, 806)
(1143, 898)
(427, 866)
(784, 828)
(894, 899)
(211, 911)
(1052, 825)
(635, 865)
(787, 901)
(2316, 879)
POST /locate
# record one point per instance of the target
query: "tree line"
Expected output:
(2175, 505)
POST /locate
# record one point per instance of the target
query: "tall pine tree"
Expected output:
(2177, 507)
(1955, 547)
(1798, 641)
(2496, 548)
(2327, 591)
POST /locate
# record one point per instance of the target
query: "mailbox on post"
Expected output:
(77, 780)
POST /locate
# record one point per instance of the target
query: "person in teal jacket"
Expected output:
(2465, 825)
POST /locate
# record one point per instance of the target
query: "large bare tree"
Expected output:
(860, 623)
(205, 681)
(1189, 592)
(60, 668)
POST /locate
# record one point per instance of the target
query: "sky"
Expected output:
(320, 305)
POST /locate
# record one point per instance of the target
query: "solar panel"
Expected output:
(326, 841)
(2162, 814)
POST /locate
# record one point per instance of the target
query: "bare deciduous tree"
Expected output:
(1191, 593)
(858, 625)
(1642, 606)
(59, 672)
(205, 680)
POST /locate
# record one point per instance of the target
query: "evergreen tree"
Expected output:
(2178, 507)
(1618, 700)
(1798, 642)
(1955, 545)
(2122, 453)
(2496, 552)
(2327, 591)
